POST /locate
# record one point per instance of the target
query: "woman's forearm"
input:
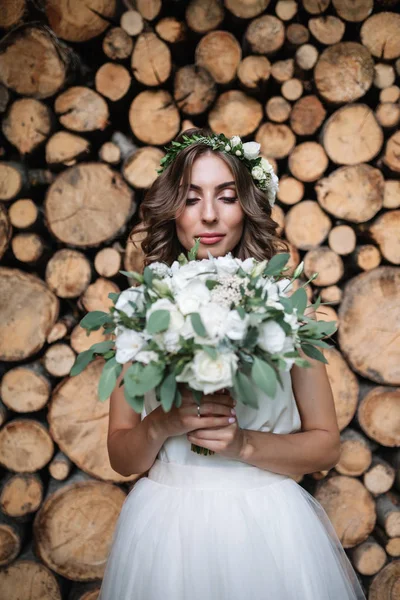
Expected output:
(134, 450)
(292, 453)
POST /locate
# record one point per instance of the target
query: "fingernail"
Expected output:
(233, 411)
(232, 419)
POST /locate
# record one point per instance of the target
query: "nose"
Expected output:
(209, 213)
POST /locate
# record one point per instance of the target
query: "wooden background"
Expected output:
(90, 92)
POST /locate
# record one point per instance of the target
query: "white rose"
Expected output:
(127, 344)
(266, 165)
(235, 326)
(235, 141)
(226, 265)
(132, 294)
(214, 316)
(190, 298)
(209, 375)
(271, 337)
(251, 150)
(258, 173)
(146, 356)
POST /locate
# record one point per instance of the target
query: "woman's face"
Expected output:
(212, 211)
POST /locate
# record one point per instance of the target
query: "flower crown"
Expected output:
(260, 168)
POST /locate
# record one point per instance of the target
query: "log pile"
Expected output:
(83, 125)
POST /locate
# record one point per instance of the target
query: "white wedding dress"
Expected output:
(211, 528)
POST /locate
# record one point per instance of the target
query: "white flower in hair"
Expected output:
(251, 150)
(235, 140)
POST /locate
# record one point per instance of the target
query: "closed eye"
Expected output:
(229, 200)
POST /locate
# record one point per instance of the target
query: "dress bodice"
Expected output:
(277, 415)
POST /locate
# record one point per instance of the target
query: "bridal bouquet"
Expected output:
(210, 324)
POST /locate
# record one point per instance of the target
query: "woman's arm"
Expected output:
(132, 444)
(317, 446)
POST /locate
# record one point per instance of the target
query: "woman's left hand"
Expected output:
(227, 441)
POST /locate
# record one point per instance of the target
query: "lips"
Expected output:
(216, 234)
(211, 238)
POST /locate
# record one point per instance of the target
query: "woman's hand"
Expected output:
(215, 411)
(227, 440)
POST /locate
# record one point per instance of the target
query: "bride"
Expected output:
(234, 525)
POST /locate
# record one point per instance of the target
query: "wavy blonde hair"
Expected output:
(164, 200)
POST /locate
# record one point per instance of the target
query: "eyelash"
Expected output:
(230, 199)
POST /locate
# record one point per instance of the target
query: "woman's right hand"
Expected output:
(215, 410)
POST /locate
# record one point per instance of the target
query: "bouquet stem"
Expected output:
(201, 450)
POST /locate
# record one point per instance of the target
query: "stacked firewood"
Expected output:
(89, 95)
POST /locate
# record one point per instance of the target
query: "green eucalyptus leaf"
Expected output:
(276, 263)
(148, 275)
(94, 320)
(140, 381)
(299, 300)
(114, 296)
(102, 347)
(168, 391)
(108, 378)
(197, 324)
(135, 402)
(245, 390)
(313, 353)
(158, 321)
(81, 362)
(211, 351)
(264, 376)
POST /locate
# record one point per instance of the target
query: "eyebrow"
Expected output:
(217, 187)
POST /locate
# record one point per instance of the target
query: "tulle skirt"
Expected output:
(190, 532)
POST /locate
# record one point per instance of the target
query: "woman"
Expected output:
(233, 525)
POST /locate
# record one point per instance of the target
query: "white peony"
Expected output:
(209, 375)
(132, 294)
(214, 319)
(127, 344)
(271, 337)
(194, 295)
(235, 326)
(251, 150)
